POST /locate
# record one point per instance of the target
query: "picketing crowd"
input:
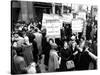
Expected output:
(32, 52)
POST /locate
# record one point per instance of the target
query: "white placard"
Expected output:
(77, 25)
(82, 15)
(46, 17)
(52, 23)
(53, 28)
(67, 18)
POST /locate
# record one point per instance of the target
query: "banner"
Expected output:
(77, 25)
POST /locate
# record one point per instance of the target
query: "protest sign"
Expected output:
(77, 25)
(67, 18)
(52, 25)
(82, 15)
(53, 28)
(46, 17)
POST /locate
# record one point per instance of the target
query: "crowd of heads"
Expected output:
(23, 35)
(21, 29)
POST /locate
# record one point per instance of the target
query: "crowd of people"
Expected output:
(30, 48)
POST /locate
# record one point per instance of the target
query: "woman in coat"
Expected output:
(53, 59)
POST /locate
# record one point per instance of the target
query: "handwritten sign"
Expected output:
(53, 29)
(67, 18)
(77, 25)
(81, 15)
(52, 25)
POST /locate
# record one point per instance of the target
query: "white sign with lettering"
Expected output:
(52, 24)
(77, 25)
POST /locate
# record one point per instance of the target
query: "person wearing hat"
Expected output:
(65, 56)
(18, 65)
(75, 51)
(38, 40)
(53, 59)
(82, 42)
(73, 40)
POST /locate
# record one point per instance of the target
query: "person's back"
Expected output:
(38, 39)
(38, 36)
(84, 61)
(19, 40)
(53, 61)
(88, 31)
(20, 65)
(30, 36)
(26, 40)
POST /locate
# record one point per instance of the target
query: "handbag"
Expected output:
(31, 68)
(70, 64)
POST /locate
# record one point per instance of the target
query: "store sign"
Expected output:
(77, 25)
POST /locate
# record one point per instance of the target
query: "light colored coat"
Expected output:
(38, 39)
(53, 61)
